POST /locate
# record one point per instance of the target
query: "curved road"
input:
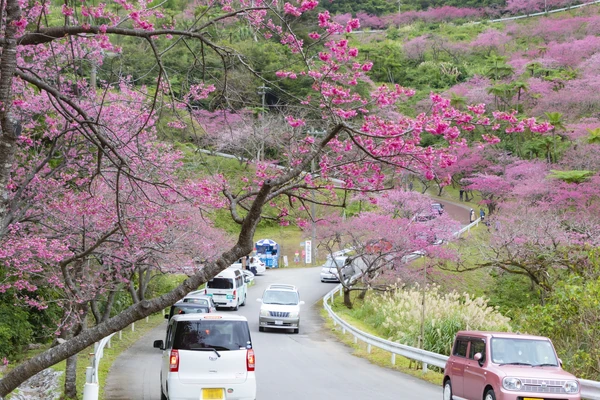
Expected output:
(309, 365)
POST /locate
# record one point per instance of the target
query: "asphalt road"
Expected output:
(309, 365)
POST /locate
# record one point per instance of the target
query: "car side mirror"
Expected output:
(166, 316)
(560, 362)
(259, 300)
(479, 358)
(301, 302)
(158, 344)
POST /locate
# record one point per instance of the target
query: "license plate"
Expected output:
(278, 322)
(532, 398)
(212, 394)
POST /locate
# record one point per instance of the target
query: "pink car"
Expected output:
(506, 366)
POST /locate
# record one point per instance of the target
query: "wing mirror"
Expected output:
(166, 316)
(259, 300)
(301, 302)
(479, 358)
(158, 344)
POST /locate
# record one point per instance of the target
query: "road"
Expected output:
(309, 365)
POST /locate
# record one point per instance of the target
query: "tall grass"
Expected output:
(397, 315)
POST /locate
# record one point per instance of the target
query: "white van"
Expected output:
(228, 289)
(207, 356)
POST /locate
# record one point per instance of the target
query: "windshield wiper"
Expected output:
(209, 349)
(545, 365)
(517, 363)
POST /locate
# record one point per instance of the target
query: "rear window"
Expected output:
(220, 283)
(216, 334)
(176, 310)
(202, 302)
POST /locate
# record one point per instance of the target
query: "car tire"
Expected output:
(237, 307)
(448, 390)
(490, 395)
(322, 281)
(261, 329)
(244, 303)
(162, 395)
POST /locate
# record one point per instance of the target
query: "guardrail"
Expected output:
(590, 390)
(91, 388)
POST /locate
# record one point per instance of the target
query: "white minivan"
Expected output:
(228, 289)
(207, 356)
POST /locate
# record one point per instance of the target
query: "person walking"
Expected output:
(461, 194)
(472, 216)
(481, 214)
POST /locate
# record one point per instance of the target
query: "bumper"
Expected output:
(223, 302)
(193, 391)
(329, 278)
(511, 395)
(278, 323)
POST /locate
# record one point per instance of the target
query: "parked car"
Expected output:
(248, 276)
(280, 308)
(199, 297)
(437, 207)
(254, 264)
(207, 356)
(506, 366)
(181, 307)
(228, 289)
(329, 270)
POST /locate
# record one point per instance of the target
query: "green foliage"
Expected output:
(594, 137)
(571, 317)
(511, 293)
(572, 176)
(15, 329)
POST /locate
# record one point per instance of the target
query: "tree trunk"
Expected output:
(347, 300)
(9, 128)
(362, 294)
(71, 378)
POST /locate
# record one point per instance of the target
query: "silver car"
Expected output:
(329, 271)
(280, 308)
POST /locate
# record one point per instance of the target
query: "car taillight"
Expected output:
(174, 361)
(234, 293)
(250, 361)
(205, 291)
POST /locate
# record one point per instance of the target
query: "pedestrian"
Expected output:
(461, 193)
(472, 216)
(481, 214)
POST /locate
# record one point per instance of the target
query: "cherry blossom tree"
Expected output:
(95, 148)
(382, 240)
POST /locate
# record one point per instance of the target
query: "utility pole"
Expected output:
(262, 90)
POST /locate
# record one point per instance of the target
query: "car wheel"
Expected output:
(296, 330)
(490, 395)
(244, 303)
(447, 390)
(322, 281)
(237, 307)
(162, 395)
(261, 329)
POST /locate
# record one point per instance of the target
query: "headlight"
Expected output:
(571, 386)
(264, 313)
(294, 314)
(511, 383)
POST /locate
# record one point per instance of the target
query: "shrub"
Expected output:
(399, 315)
(15, 330)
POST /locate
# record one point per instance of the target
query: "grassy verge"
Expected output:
(377, 356)
(128, 338)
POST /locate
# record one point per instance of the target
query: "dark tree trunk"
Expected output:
(347, 300)
(71, 378)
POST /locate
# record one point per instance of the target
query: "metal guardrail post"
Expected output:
(425, 368)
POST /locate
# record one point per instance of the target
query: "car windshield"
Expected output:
(280, 297)
(218, 335)
(220, 283)
(192, 300)
(523, 352)
(332, 264)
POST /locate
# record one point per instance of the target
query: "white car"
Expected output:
(280, 308)
(207, 356)
(330, 273)
(254, 262)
